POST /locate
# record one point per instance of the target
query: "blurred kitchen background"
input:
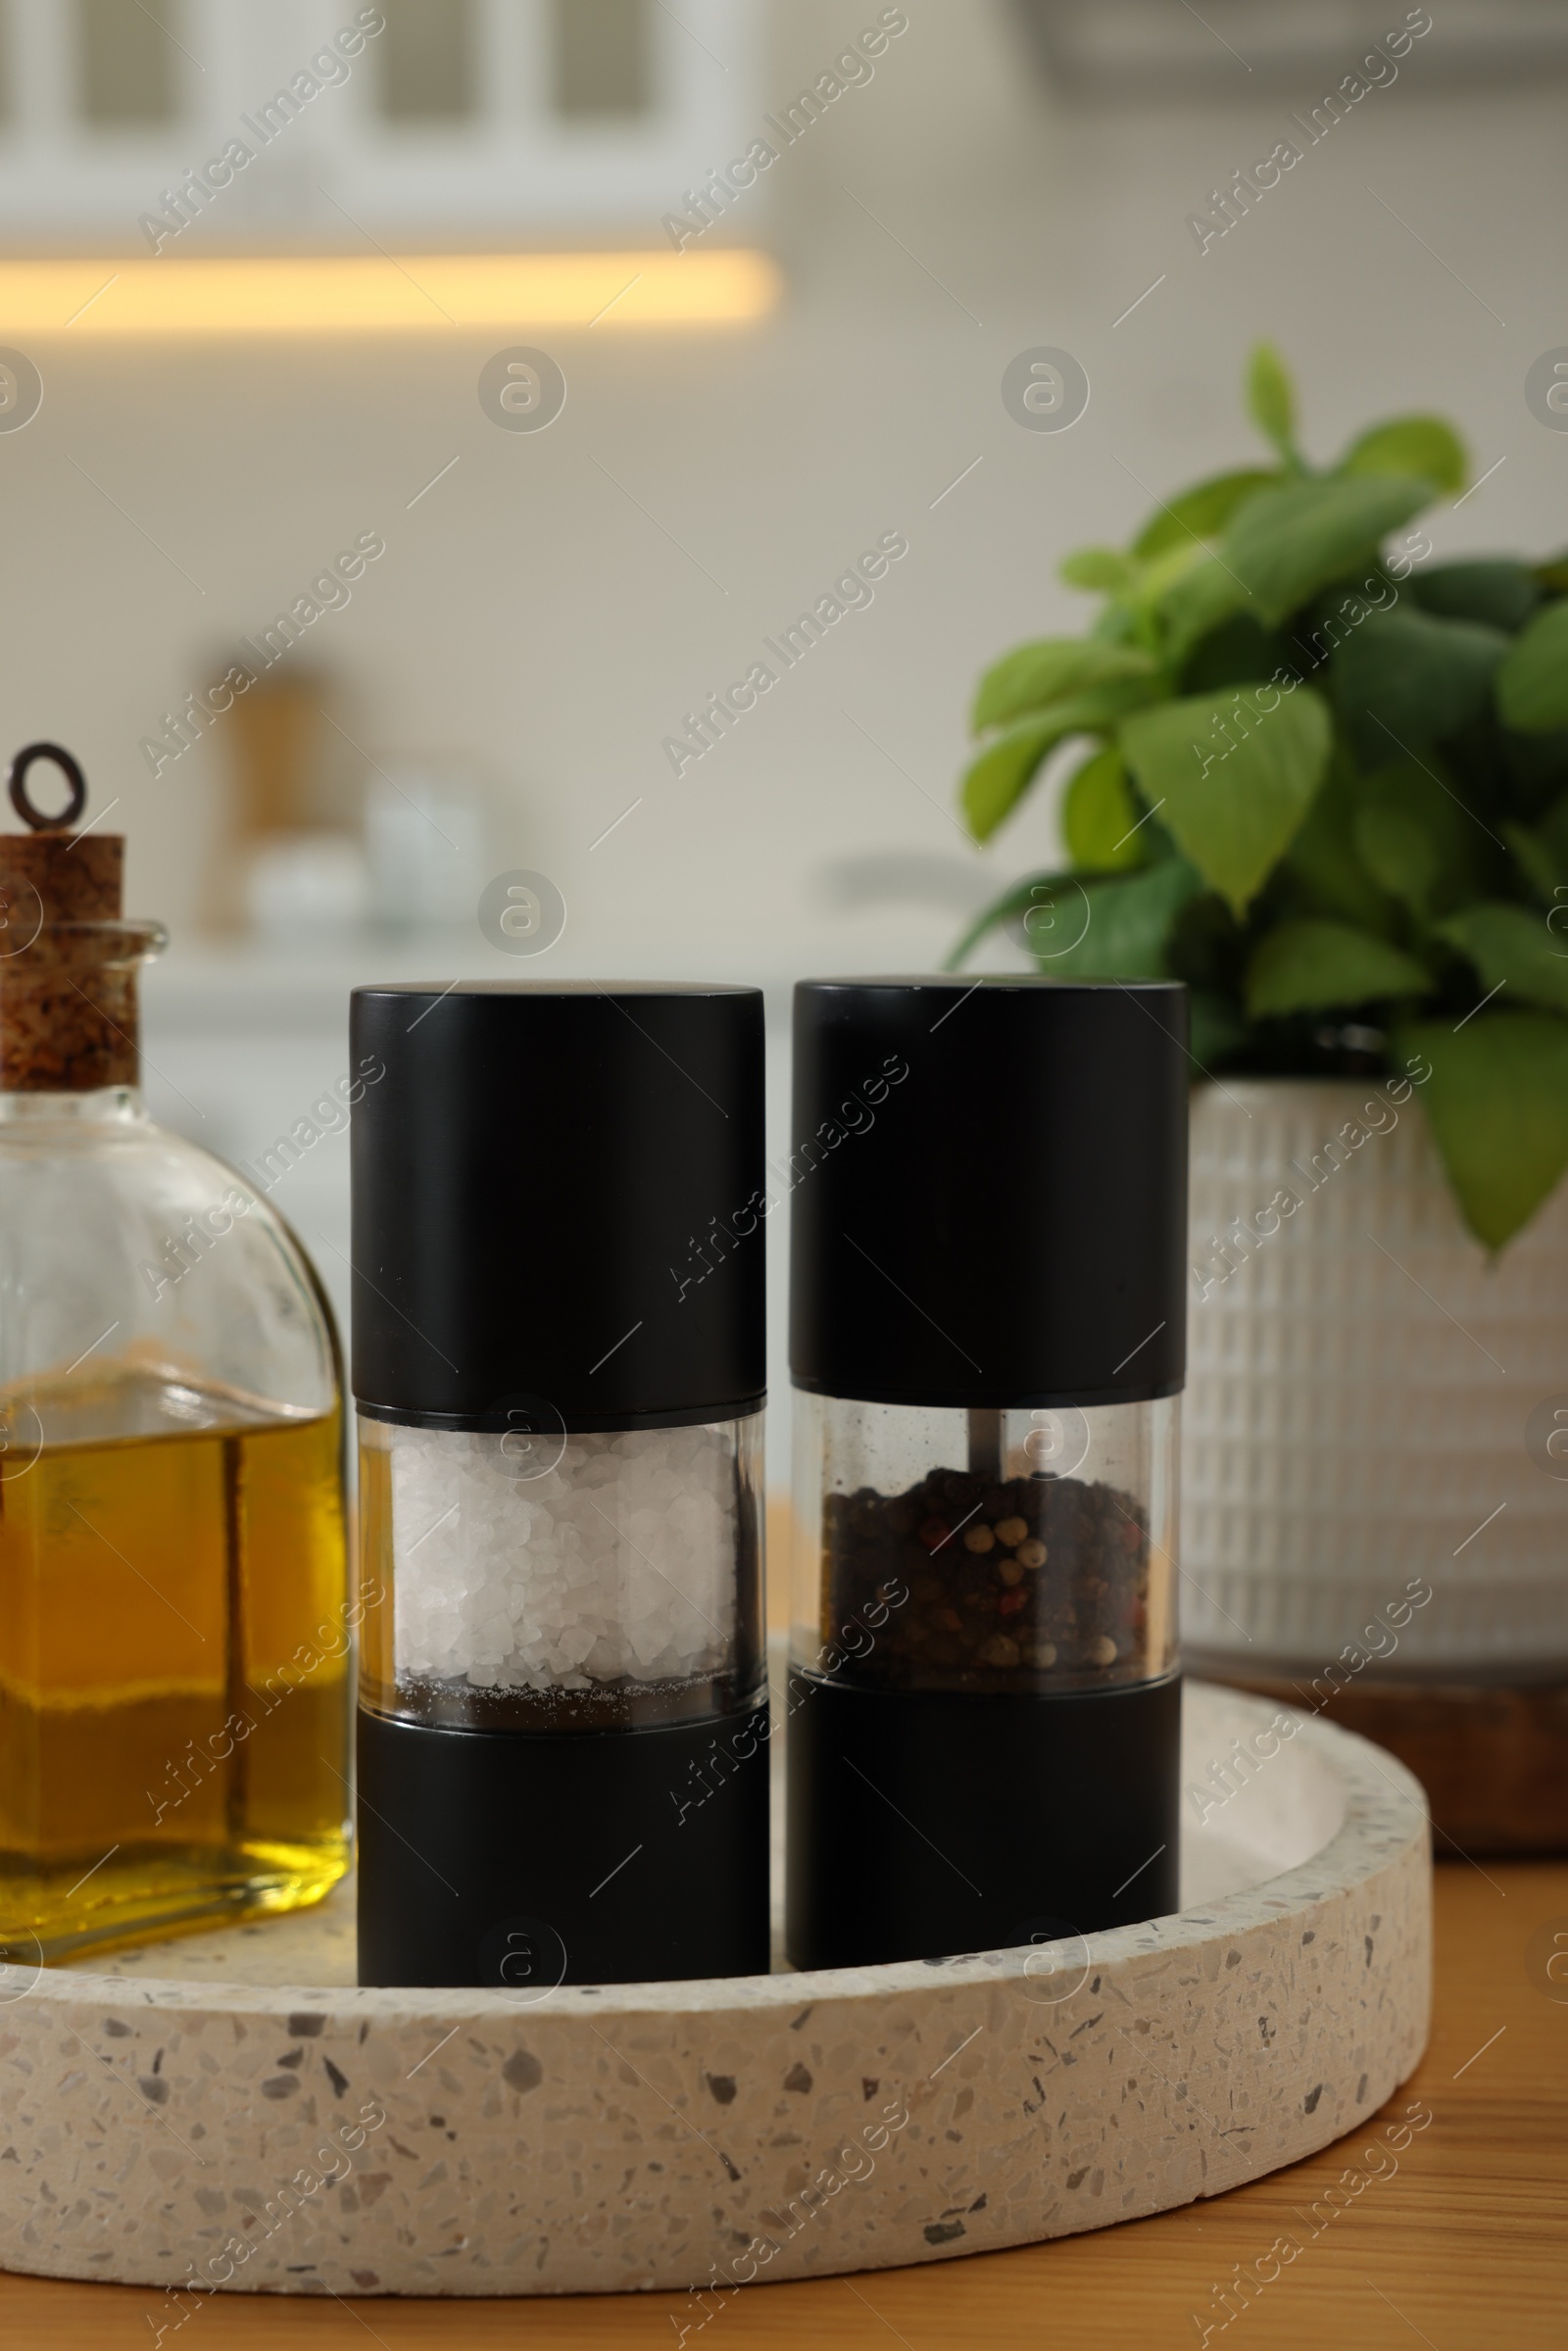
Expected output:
(494, 691)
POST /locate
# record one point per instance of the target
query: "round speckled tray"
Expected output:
(230, 2111)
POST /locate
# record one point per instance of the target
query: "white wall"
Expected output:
(527, 612)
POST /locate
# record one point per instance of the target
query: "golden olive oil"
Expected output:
(174, 1662)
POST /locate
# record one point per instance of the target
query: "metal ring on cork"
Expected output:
(18, 781)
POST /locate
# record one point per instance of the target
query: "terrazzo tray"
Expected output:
(231, 2112)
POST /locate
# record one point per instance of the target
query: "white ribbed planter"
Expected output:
(1358, 1389)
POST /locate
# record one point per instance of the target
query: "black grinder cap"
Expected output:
(558, 1197)
(989, 1191)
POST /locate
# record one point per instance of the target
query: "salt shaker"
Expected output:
(559, 1370)
(986, 1344)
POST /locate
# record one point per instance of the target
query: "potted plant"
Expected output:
(1324, 779)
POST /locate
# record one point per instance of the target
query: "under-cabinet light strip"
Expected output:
(334, 294)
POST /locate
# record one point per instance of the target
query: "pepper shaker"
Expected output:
(986, 1344)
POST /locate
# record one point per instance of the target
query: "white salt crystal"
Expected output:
(618, 1562)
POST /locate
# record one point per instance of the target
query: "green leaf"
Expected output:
(1100, 816)
(1535, 768)
(1322, 860)
(1502, 594)
(1236, 652)
(1206, 594)
(1497, 1099)
(1423, 446)
(1403, 676)
(1271, 400)
(1470, 863)
(1553, 831)
(1514, 949)
(1111, 930)
(1233, 811)
(995, 782)
(1200, 512)
(1287, 544)
(1532, 681)
(1311, 966)
(1398, 853)
(1032, 675)
(1098, 569)
(1544, 868)
(1115, 624)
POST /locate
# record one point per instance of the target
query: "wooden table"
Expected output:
(1463, 2248)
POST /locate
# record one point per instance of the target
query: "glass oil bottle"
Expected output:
(174, 1634)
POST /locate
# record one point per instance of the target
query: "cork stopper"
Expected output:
(67, 957)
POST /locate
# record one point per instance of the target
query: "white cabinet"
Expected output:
(328, 120)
